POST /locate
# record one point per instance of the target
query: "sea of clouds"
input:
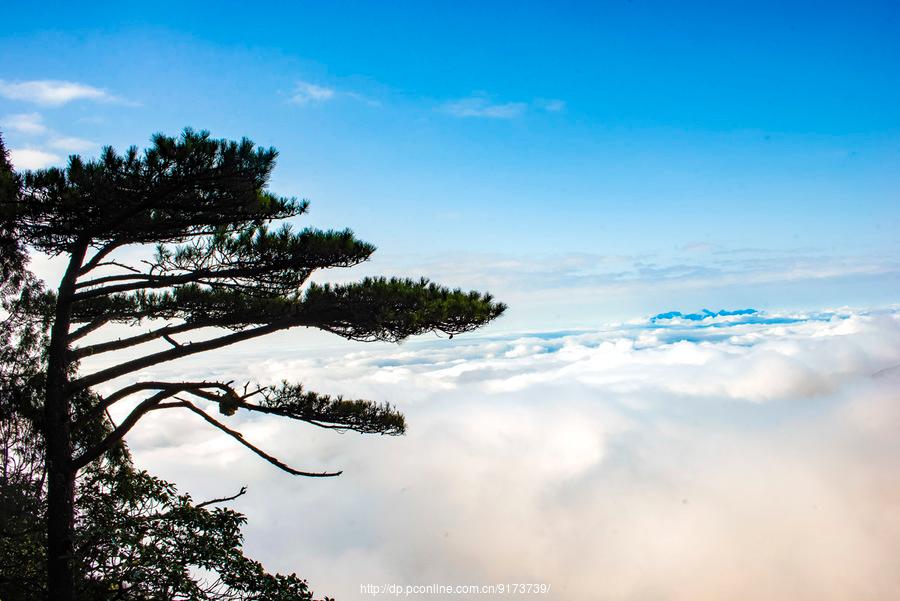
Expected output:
(684, 457)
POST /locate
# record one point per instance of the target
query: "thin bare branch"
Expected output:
(121, 265)
(240, 438)
(240, 493)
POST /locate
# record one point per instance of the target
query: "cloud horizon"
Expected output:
(676, 459)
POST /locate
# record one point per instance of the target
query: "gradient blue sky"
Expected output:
(587, 163)
(724, 154)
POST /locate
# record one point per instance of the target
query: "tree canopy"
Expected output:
(226, 268)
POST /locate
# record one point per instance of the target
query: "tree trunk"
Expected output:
(60, 528)
(58, 440)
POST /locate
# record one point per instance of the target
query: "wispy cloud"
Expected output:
(481, 106)
(590, 286)
(596, 275)
(32, 158)
(39, 141)
(26, 123)
(49, 92)
(71, 144)
(307, 93)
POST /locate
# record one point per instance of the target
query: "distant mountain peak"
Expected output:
(704, 314)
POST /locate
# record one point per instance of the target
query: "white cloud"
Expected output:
(71, 144)
(52, 92)
(31, 158)
(306, 93)
(26, 123)
(480, 106)
(750, 456)
(309, 93)
(32, 127)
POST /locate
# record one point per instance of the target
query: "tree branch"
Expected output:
(98, 256)
(173, 387)
(162, 281)
(240, 438)
(121, 277)
(120, 265)
(121, 343)
(240, 493)
(294, 416)
(87, 329)
(171, 341)
(116, 371)
(240, 402)
(118, 433)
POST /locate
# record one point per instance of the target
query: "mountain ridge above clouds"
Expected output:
(704, 314)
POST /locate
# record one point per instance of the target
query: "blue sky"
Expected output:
(631, 138)
(588, 163)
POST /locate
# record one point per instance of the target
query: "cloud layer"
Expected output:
(748, 456)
